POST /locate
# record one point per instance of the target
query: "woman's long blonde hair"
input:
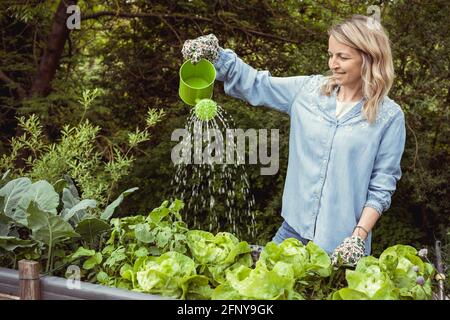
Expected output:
(369, 37)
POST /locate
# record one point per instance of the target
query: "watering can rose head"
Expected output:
(205, 109)
(204, 47)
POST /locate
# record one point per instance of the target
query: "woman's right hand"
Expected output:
(204, 47)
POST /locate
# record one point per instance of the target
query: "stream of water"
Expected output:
(216, 195)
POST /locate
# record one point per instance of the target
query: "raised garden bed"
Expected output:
(27, 284)
(13, 286)
(158, 254)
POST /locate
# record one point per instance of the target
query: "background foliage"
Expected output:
(130, 51)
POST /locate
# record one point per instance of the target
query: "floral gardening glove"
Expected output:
(349, 251)
(256, 252)
(206, 47)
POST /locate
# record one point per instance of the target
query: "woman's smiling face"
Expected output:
(345, 62)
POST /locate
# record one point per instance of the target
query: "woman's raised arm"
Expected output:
(258, 88)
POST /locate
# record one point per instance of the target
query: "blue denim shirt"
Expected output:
(336, 166)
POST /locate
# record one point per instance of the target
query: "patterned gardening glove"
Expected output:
(256, 252)
(349, 251)
(206, 47)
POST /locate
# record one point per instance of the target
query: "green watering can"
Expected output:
(196, 81)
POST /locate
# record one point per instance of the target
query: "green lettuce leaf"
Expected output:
(165, 274)
(260, 283)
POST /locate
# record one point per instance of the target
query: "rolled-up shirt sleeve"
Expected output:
(387, 171)
(258, 88)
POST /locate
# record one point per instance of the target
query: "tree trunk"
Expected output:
(52, 54)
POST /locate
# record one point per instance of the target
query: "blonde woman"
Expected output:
(346, 139)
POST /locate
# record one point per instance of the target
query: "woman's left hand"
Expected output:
(349, 252)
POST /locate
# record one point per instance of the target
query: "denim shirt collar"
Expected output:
(355, 111)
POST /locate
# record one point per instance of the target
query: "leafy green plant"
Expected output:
(399, 273)
(172, 274)
(289, 270)
(162, 230)
(79, 153)
(216, 253)
(33, 215)
(158, 254)
(140, 255)
(131, 238)
(259, 283)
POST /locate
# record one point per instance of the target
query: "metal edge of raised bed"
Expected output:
(56, 288)
(9, 281)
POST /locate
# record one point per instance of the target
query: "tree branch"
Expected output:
(161, 16)
(139, 15)
(173, 30)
